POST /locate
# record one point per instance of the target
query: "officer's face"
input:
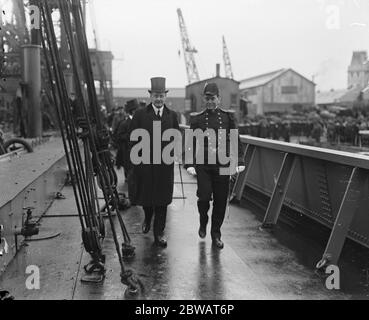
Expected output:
(158, 99)
(211, 102)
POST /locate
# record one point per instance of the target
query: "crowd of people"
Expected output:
(334, 130)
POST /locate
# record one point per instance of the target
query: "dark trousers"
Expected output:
(160, 217)
(212, 186)
(130, 178)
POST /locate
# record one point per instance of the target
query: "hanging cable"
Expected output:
(85, 124)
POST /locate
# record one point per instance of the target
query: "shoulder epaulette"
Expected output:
(227, 110)
(194, 114)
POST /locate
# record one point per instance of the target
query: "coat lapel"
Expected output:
(151, 115)
(165, 118)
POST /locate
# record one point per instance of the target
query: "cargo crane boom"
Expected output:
(188, 51)
(104, 86)
(227, 61)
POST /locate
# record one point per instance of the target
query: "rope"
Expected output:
(96, 156)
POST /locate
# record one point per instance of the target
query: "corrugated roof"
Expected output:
(210, 80)
(143, 92)
(263, 79)
(351, 95)
(337, 96)
(260, 79)
(329, 97)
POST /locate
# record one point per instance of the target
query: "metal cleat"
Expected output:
(29, 227)
(134, 286)
(59, 196)
(95, 271)
(4, 295)
(128, 251)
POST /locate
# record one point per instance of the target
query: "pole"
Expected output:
(32, 79)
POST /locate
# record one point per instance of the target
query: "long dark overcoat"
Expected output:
(122, 138)
(153, 182)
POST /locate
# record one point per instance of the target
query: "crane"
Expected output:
(103, 81)
(227, 61)
(188, 51)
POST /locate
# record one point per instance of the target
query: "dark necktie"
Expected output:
(158, 114)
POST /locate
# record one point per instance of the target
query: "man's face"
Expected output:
(210, 101)
(158, 99)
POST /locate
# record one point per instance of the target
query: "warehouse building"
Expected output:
(277, 92)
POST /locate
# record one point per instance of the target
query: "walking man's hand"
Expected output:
(191, 171)
(239, 169)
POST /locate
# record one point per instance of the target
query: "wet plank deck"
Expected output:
(252, 265)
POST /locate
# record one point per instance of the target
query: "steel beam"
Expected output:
(240, 183)
(349, 205)
(280, 190)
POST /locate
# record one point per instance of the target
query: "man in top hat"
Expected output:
(154, 182)
(212, 182)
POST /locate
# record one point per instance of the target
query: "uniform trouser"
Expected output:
(212, 185)
(160, 217)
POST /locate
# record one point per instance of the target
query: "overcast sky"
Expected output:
(310, 36)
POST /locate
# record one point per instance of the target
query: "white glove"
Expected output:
(191, 171)
(239, 169)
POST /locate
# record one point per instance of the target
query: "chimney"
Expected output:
(218, 69)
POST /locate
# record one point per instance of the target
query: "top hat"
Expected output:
(158, 85)
(131, 105)
(211, 88)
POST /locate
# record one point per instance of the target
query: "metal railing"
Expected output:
(326, 185)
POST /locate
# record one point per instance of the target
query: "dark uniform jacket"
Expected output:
(153, 182)
(213, 119)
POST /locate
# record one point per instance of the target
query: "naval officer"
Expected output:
(212, 182)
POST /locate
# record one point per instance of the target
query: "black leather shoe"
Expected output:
(145, 227)
(161, 242)
(202, 232)
(218, 243)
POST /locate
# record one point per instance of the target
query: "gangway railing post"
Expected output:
(242, 177)
(349, 206)
(280, 190)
